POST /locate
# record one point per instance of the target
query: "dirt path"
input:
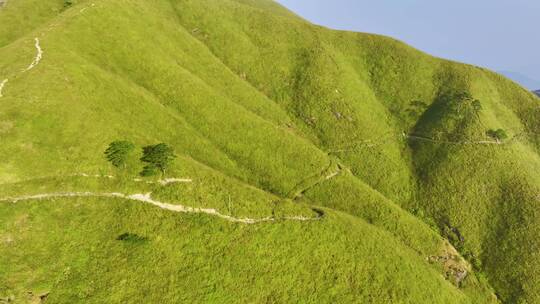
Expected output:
(146, 198)
(417, 137)
(331, 171)
(38, 57)
(480, 142)
(34, 63)
(2, 84)
(165, 182)
(85, 8)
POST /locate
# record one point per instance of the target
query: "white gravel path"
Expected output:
(2, 84)
(146, 198)
(39, 55)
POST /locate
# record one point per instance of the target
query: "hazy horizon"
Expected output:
(499, 35)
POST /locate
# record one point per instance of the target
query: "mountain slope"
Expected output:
(271, 117)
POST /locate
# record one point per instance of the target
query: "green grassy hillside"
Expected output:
(315, 165)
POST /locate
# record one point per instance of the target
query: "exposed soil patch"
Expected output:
(455, 268)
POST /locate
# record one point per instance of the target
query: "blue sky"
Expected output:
(503, 35)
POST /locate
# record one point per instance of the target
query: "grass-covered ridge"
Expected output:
(270, 117)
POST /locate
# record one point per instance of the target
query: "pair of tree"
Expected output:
(157, 158)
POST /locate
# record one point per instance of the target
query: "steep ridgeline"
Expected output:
(423, 174)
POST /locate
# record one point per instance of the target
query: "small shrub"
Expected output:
(472, 259)
(131, 238)
(477, 105)
(498, 134)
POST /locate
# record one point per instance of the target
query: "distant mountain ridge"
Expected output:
(524, 80)
(537, 92)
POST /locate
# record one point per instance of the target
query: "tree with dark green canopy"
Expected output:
(157, 157)
(498, 135)
(118, 151)
(477, 107)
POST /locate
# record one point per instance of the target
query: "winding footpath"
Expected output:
(163, 182)
(479, 142)
(85, 8)
(2, 84)
(35, 62)
(312, 181)
(38, 57)
(416, 137)
(146, 198)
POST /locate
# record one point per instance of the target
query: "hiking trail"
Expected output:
(146, 198)
(2, 84)
(38, 57)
